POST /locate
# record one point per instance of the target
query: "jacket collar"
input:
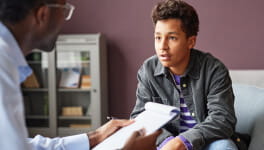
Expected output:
(160, 69)
(193, 69)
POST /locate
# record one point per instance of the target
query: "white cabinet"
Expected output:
(70, 95)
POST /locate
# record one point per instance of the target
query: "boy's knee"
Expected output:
(224, 144)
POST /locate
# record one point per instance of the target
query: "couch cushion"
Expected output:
(257, 138)
(249, 107)
(249, 104)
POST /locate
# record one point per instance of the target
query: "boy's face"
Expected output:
(171, 44)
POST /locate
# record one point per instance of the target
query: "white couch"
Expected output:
(248, 88)
(249, 108)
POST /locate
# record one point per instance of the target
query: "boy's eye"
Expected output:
(157, 38)
(172, 38)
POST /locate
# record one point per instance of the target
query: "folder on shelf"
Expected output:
(70, 78)
(31, 82)
(86, 82)
(154, 117)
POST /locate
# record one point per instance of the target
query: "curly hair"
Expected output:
(13, 11)
(177, 9)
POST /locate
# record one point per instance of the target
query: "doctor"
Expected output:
(25, 25)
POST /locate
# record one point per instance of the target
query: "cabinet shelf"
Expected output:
(65, 131)
(34, 62)
(69, 129)
(37, 117)
(79, 62)
(75, 90)
(39, 130)
(34, 89)
(75, 117)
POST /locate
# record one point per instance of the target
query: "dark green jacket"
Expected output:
(207, 90)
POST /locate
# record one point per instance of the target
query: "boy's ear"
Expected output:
(191, 42)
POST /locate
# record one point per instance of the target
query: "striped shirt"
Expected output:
(186, 120)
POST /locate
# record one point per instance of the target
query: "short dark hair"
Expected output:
(13, 11)
(177, 9)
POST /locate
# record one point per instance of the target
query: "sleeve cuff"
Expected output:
(187, 144)
(165, 142)
(79, 142)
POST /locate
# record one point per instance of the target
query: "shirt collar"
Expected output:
(15, 52)
(193, 68)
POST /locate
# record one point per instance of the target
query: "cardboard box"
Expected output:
(72, 111)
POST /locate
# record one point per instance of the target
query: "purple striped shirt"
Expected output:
(186, 120)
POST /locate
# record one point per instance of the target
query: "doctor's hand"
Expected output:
(106, 130)
(138, 141)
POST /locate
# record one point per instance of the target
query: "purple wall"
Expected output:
(230, 30)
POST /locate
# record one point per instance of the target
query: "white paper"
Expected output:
(70, 78)
(153, 118)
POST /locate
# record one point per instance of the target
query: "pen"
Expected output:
(110, 118)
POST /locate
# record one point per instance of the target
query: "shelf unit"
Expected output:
(61, 76)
